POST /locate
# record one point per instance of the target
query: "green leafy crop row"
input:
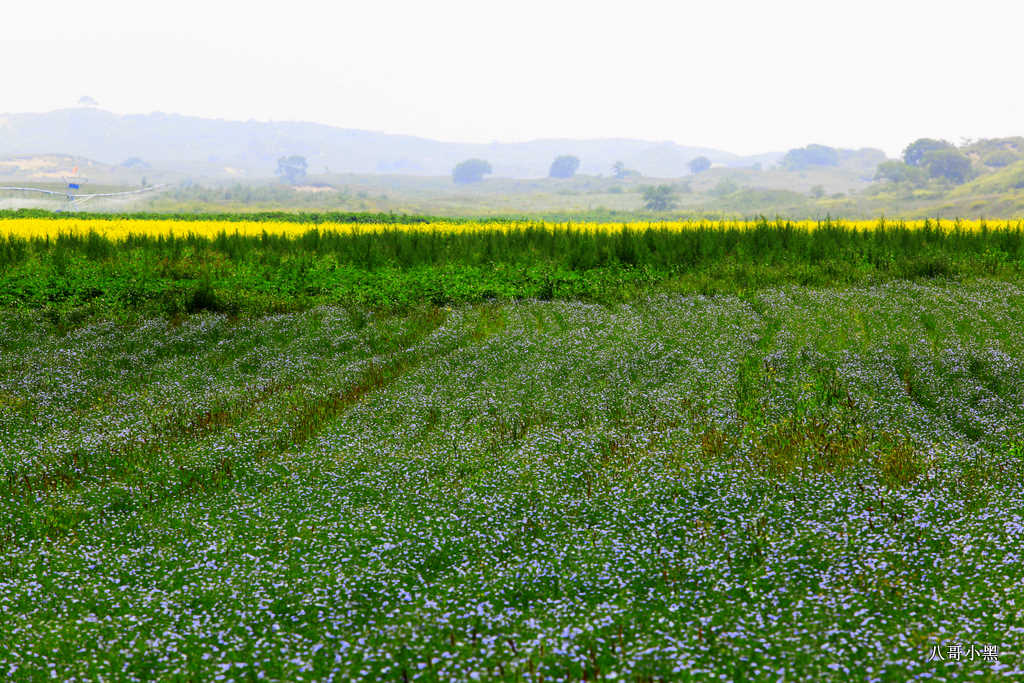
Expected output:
(393, 269)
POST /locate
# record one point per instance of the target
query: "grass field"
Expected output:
(794, 454)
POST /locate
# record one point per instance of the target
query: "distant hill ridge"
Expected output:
(220, 148)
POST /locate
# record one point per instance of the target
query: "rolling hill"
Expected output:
(250, 149)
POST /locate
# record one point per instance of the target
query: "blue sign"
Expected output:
(73, 186)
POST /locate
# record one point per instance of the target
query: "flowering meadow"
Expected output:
(122, 227)
(777, 481)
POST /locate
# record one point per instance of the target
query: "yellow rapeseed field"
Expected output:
(120, 228)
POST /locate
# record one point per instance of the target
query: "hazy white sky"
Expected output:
(742, 76)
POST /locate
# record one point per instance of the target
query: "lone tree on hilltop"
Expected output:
(564, 166)
(471, 171)
(292, 169)
(699, 165)
(659, 198)
(915, 152)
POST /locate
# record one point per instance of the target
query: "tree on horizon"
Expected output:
(471, 171)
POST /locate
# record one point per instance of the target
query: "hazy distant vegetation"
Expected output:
(471, 171)
(598, 179)
(699, 164)
(220, 149)
(565, 166)
(292, 168)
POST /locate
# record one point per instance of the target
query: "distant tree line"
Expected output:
(924, 158)
(929, 158)
(811, 155)
(474, 170)
(564, 166)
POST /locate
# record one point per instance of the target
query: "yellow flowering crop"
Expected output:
(120, 228)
